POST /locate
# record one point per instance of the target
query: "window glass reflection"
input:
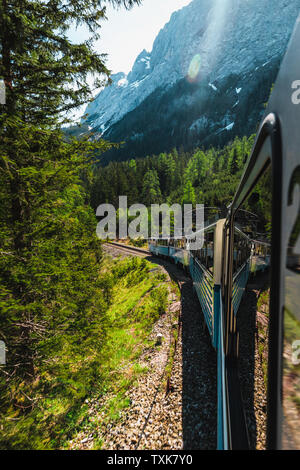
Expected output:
(291, 343)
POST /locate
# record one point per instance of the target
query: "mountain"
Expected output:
(206, 80)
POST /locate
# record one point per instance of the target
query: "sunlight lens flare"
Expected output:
(194, 68)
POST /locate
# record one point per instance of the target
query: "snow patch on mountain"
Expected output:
(123, 82)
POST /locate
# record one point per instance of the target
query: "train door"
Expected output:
(284, 397)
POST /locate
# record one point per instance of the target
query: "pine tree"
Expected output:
(188, 194)
(49, 257)
(44, 72)
(151, 193)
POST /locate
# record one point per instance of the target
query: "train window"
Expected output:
(291, 342)
(206, 254)
(251, 297)
(242, 251)
(210, 252)
(179, 243)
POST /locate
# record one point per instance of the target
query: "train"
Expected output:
(207, 268)
(230, 256)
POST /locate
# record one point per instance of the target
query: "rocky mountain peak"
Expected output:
(207, 45)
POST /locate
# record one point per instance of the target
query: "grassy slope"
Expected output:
(140, 297)
(137, 295)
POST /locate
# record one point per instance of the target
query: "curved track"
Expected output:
(119, 248)
(187, 416)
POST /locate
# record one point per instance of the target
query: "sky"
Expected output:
(126, 33)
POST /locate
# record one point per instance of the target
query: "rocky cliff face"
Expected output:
(206, 79)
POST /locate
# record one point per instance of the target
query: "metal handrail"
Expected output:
(223, 438)
(236, 275)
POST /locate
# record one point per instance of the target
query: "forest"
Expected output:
(208, 177)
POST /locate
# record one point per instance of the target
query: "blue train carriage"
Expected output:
(159, 247)
(205, 271)
(207, 267)
(179, 252)
(174, 249)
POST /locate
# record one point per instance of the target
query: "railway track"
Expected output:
(115, 247)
